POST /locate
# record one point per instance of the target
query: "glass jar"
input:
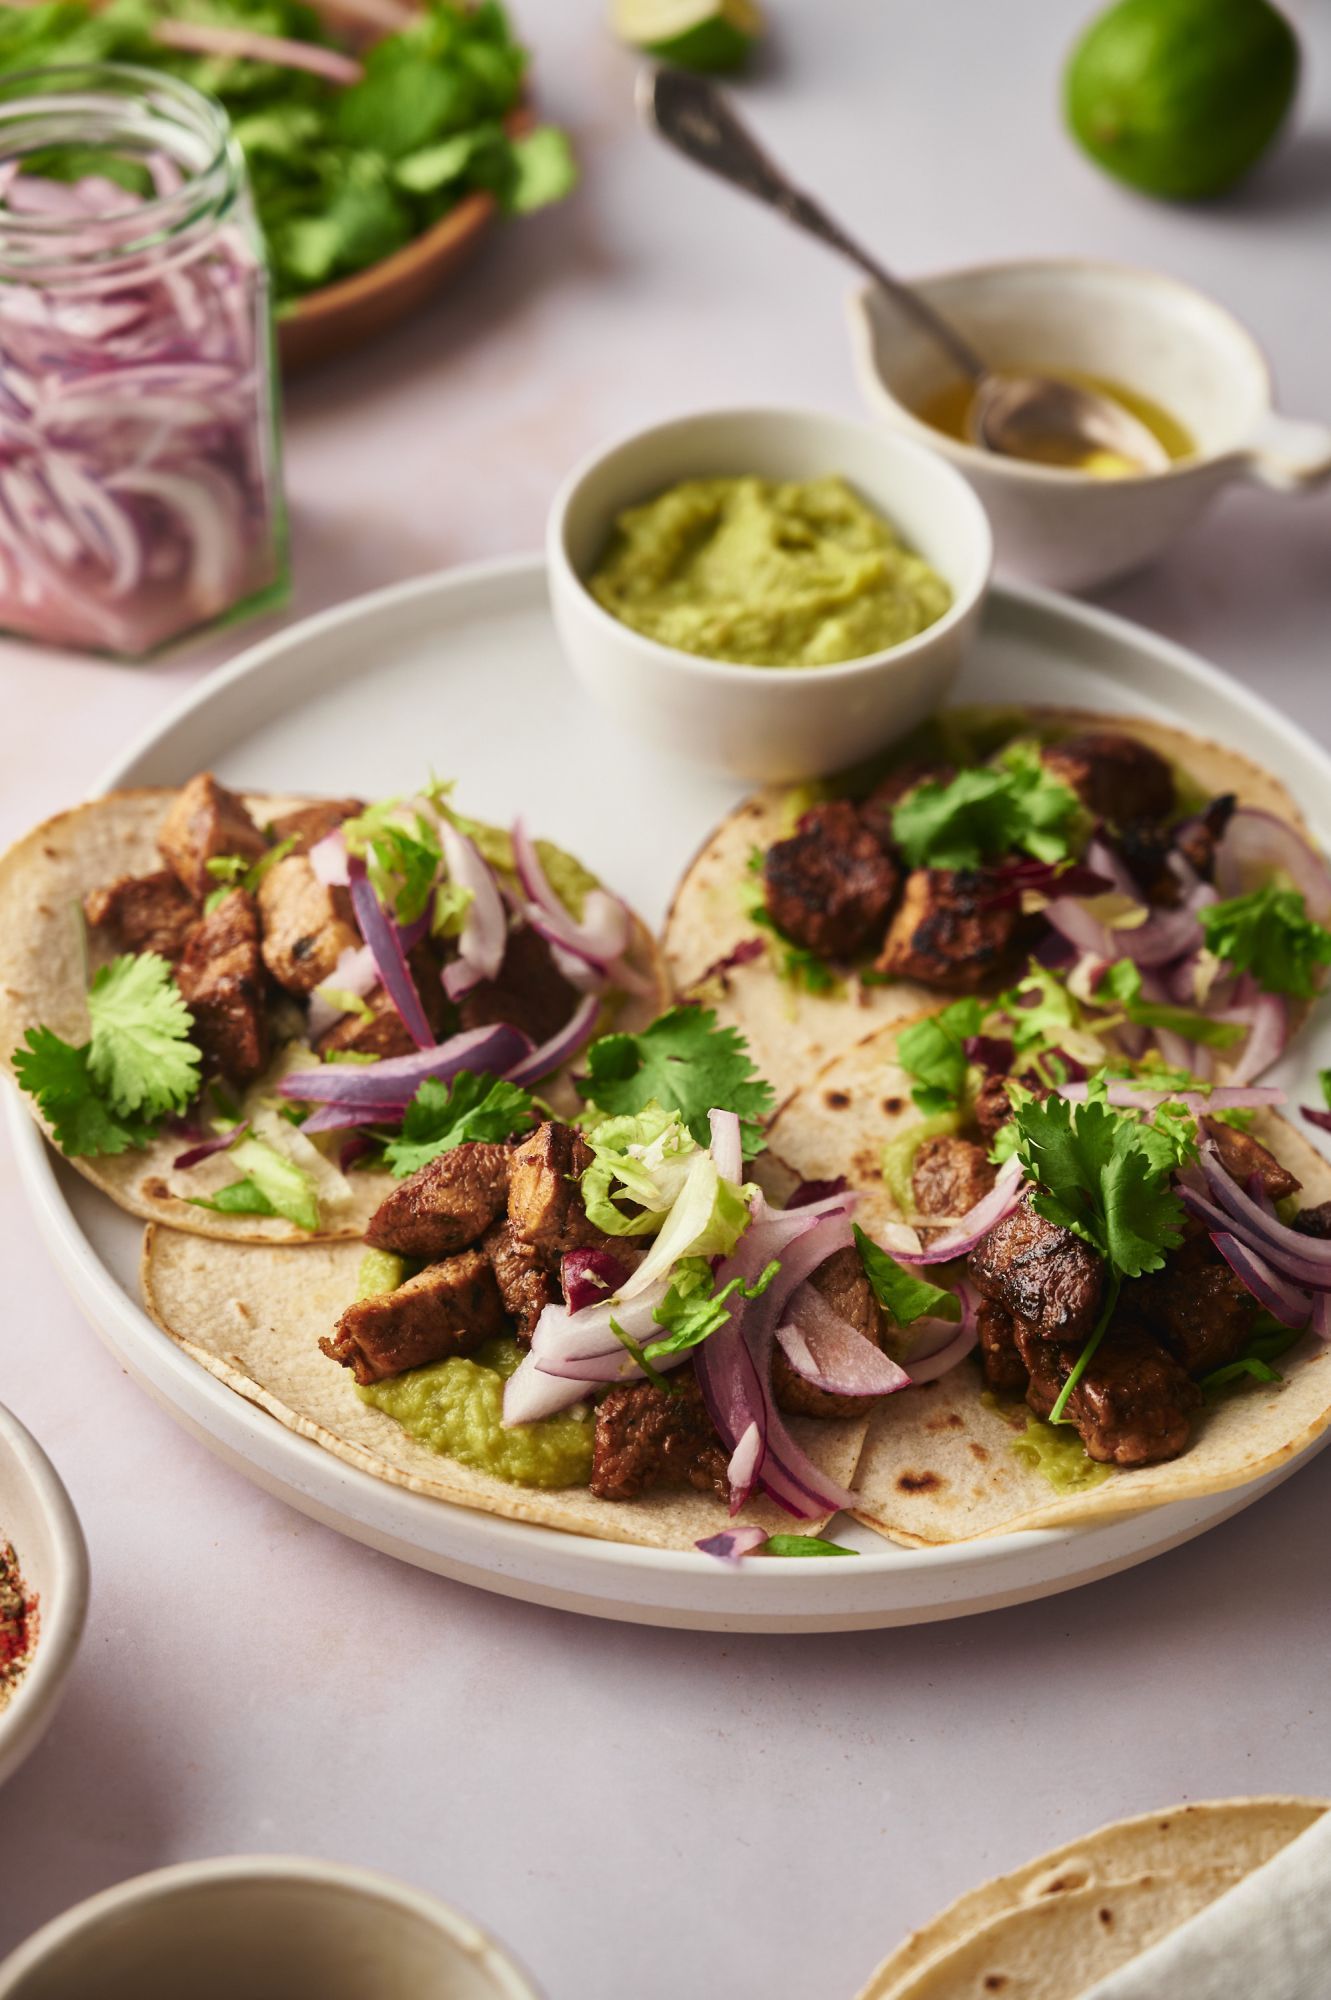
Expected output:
(140, 473)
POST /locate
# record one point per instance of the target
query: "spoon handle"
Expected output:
(698, 120)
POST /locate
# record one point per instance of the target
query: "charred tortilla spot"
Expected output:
(836, 1100)
(1062, 1884)
(980, 1451)
(156, 1189)
(892, 1105)
(919, 1482)
(1106, 1918)
(994, 1982)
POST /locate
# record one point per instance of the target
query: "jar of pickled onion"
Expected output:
(140, 473)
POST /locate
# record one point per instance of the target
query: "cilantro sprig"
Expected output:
(933, 1051)
(1015, 805)
(902, 1293)
(138, 1066)
(234, 871)
(694, 1308)
(1270, 934)
(441, 1116)
(684, 1062)
(1105, 1174)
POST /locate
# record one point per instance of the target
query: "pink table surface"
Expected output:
(638, 1812)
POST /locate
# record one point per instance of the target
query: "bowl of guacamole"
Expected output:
(770, 593)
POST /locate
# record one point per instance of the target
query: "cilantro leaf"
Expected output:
(402, 854)
(899, 1291)
(1014, 805)
(140, 1055)
(444, 1115)
(683, 1062)
(1270, 934)
(796, 962)
(233, 871)
(242, 1197)
(804, 1545)
(58, 1076)
(1324, 1078)
(693, 1309)
(544, 170)
(1268, 1341)
(933, 1052)
(1104, 1175)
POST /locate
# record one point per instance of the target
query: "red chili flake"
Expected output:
(18, 1624)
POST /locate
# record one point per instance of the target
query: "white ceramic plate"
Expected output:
(462, 672)
(37, 1518)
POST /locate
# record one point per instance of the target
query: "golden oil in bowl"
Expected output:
(948, 411)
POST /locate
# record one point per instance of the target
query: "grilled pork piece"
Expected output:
(950, 1176)
(544, 1200)
(1115, 776)
(648, 1437)
(1315, 1221)
(307, 925)
(1041, 1273)
(205, 821)
(842, 1282)
(829, 887)
(446, 1310)
(530, 991)
(144, 913)
(449, 1203)
(383, 1033)
(1147, 847)
(221, 978)
(1133, 1405)
(1197, 1307)
(993, 1106)
(946, 933)
(308, 824)
(1000, 1362)
(1242, 1156)
(528, 1278)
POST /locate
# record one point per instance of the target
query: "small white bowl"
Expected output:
(766, 723)
(1147, 331)
(37, 1518)
(261, 1927)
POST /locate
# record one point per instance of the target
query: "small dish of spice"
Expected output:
(43, 1591)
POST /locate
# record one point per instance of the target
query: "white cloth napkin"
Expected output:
(1268, 1938)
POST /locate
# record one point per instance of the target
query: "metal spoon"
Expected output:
(1023, 416)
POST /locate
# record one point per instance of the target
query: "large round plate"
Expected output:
(462, 673)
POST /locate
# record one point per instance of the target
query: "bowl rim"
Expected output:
(140, 1892)
(741, 673)
(959, 452)
(62, 1605)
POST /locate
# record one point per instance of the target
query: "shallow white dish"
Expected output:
(463, 672)
(37, 1518)
(1141, 328)
(763, 724)
(267, 1926)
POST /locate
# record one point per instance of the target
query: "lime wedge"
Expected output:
(708, 35)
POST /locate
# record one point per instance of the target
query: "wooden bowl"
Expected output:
(341, 316)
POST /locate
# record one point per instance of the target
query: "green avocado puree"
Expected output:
(1059, 1456)
(797, 574)
(456, 1408)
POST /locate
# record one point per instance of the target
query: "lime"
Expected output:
(708, 35)
(1181, 97)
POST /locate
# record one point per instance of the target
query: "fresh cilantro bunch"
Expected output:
(472, 1107)
(1121, 984)
(1035, 1016)
(138, 1066)
(342, 176)
(685, 1063)
(1270, 934)
(1015, 805)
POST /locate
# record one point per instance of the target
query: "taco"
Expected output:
(221, 1007)
(1117, 1281)
(815, 914)
(604, 1327)
(1040, 1933)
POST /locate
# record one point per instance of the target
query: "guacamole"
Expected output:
(1058, 1456)
(456, 1408)
(766, 575)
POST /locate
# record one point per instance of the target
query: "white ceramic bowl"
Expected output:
(261, 1927)
(1153, 334)
(37, 1517)
(758, 722)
